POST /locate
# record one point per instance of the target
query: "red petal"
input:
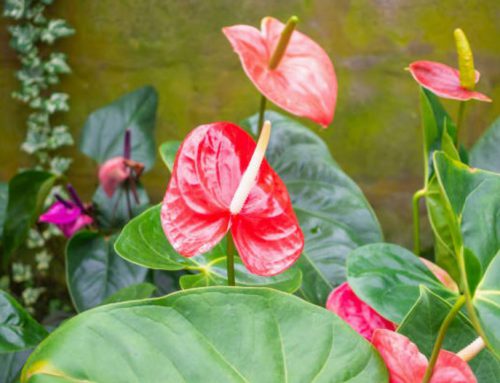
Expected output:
(112, 174)
(362, 318)
(304, 83)
(441, 274)
(403, 360)
(444, 81)
(450, 368)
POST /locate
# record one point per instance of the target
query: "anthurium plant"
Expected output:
(274, 260)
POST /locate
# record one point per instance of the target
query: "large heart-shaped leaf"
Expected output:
(422, 325)
(334, 215)
(4, 198)
(27, 193)
(95, 271)
(18, 330)
(388, 278)
(485, 154)
(129, 293)
(143, 242)
(104, 131)
(221, 334)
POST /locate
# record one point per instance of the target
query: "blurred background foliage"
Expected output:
(178, 47)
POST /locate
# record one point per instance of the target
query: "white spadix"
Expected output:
(250, 175)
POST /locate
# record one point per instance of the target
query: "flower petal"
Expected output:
(443, 80)
(71, 228)
(441, 274)
(362, 318)
(304, 83)
(404, 361)
(58, 214)
(112, 174)
(450, 368)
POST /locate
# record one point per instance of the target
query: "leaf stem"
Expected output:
(285, 36)
(470, 352)
(460, 117)
(440, 337)
(127, 196)
(416, 219)
(230, 260)
(262, 112)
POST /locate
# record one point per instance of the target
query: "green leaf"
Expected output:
(388, 278)
(143, 242)
(221, 334)
(104, 131)
(4, 197)
(112, 213)
(487, 303)
(168, 150)
(138, 291)
(485, 154)
(11, 364)
(334, 215)
(18, 330)
(422, 324)
(27, 193)
(94, 270)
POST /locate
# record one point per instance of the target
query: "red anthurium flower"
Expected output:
(303, 83)
(362, 318)
(221, 182)
(407, 365)
(441, 274)
(115, 171)
(444, 81)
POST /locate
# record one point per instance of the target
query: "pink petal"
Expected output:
(444, 81)
(362, 318)
(441, 274)
(450, 368)
(71, 228)
(58, 214)
(404, 361)
(112, 174)
(304, 83)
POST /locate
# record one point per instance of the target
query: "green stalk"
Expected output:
(230, 260)
(461, 112)
(262, 112)
(416, 219)
(280, 49)
(440, 338)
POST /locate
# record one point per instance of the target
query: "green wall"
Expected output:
(178, 47)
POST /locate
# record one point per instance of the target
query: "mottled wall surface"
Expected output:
(178, 47)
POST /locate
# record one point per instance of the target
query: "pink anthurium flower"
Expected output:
(406, 364)
(68, 216)
(361, 317)
(221, 182)
(303, 82)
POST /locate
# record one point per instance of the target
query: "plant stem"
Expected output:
(262, 112)
(127, 196)
(285, 36)
(416, 219)
(460, 117)
(440, 337)
(230, 260)
(471, 351)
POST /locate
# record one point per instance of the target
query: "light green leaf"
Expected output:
(168, 150)
(220, 334)
(95, 271)
(133, 292)
(104, 131)
(485, 154)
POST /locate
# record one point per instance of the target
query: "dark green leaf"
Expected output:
(333, 213)
(4, 197)
(388, 278)
(220, 334)
(95, 271)
(422, 324)
(27, 193)
(168, 150)
(104, 131)
(485, 154)
(143, 242)
(11, 364)
(139, 291)
(18, 330)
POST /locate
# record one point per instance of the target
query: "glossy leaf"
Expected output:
(95, 271)
(4, 198)
(485, 154)
(27, 193)
(18, 330)
(143, 242)
(304, 83)
(130, 293)
(334, 214)
(11, 364)
(104, 131)
(422, 324)
(232, 335)
(112, 213)
(388, 278)
(168, 151)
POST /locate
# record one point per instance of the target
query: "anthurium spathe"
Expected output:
(407, 365)
(221, 182)
(298, 75)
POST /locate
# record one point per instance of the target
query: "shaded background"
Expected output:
(177, 46)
